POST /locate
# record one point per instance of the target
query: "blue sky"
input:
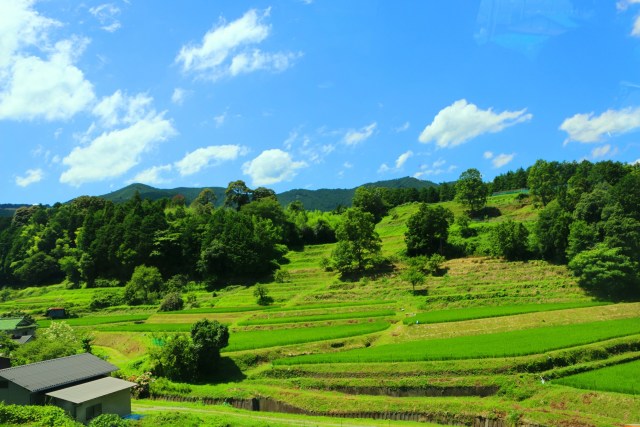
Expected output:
(310, 94)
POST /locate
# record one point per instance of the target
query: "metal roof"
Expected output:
(57, 372)
(91, 390)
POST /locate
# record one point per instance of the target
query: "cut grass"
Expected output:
(513, 343)
(318, 318)
(621, 378)
(442, 316)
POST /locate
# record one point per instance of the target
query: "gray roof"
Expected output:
(57, 372)
(23, 339)
(91, 390)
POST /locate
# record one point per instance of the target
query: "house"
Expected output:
(17, 327)
(80, 384)
(56, 313)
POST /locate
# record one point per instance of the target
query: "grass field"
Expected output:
(441, 316)
(97, 320)
(515, 343)
(317, 318)
(623, 378)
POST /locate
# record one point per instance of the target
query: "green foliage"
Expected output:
(38, 269)
(552, 232)
(358, 243)
(414, 276)
(237, 194)
(209, 337)
(172, 302)
(509, 239)
(282, 276)
(175, 359)
(621, 378)
(102, 300)
(49, 416)
(471, 192)
(513, 343)
(606, 271)
(261, 293)
(58, 340)
(544, 181)
(428, 230)
(316, 318)
(371, 200)
(108, 420)
(145, 286)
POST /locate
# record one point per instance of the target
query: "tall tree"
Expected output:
(471, 191)
(358, 242)
(544, 181)
(237, 194)
(428, 230)
(371, 200)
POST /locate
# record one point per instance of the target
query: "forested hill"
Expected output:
(8, 209)
(322, 199)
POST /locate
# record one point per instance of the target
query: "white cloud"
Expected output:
(622, 5)
(462, 121)
(106, 15)
(178, 96)
(636, 162)
(220, 119)
(502, 160)
(347, 165)
(119, 109)
(353, 136)
(229, 49)
(435, 168)
(635, 31)
(272, 166)
(52, 88)
(384, 168)
(488, 155)
(115, 152)
(205, 157)
(31, 177)
(603, 151)
(589, 128)
(402, 128)
(152, 176)
(402, 159)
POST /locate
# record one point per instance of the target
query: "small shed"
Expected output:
(56, 313)
(17, 326)
(88, 400)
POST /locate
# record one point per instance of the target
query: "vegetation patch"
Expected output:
(621, 378)
(441, 316)
(97, 320)
(513, 343)
(317, 318)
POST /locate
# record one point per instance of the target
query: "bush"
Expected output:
(105, 299)
(262, 295)
(172, 302)
(282, 276)
(106, 283)
(108, 420)
(39, 415)
(509, 239)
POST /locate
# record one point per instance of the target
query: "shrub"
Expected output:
(282, 276)
(262, 295)
(172, 302)
(108, 420)
(105, 299)
(509, 239)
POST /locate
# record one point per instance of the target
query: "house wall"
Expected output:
(15, 395)
(116, 403)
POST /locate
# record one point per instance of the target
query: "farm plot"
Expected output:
(513, 343)
(621, 378)
(247, 340)
(317, 317)
(97, 320)
(441, 316)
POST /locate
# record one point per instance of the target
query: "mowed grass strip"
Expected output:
(248, 340)
(206, 310)
(318, 317)
(442, 316)
(621, 378)
(97, 320)
(345, 304)
(513, 343)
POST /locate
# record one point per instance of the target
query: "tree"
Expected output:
(204, 203)
(606, 271)
(209, 337)
(262, 294)
(552, 232)
(237, 195)
(509, 240)
(144, 287)
(172, 302)
(428, 230)
(371, 200)
(263, 193)
(358, 243)
(414, 276)
(471, 192)
(544, 181)
(176, 359)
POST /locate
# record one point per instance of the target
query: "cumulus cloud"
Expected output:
(106, 15)
(402, 159)
(488, 155)
(462, 121)
(502, 160)
(404, 127)
(206, 157)
(115, 152)
(589, 128)
(271, 167)
(38, 77)
(152, 176)
(31, 177)
(384, 168)
(356, 136)
(229, 49)
(120, 108)
(603, 151)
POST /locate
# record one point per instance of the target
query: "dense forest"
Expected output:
(589, 218)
